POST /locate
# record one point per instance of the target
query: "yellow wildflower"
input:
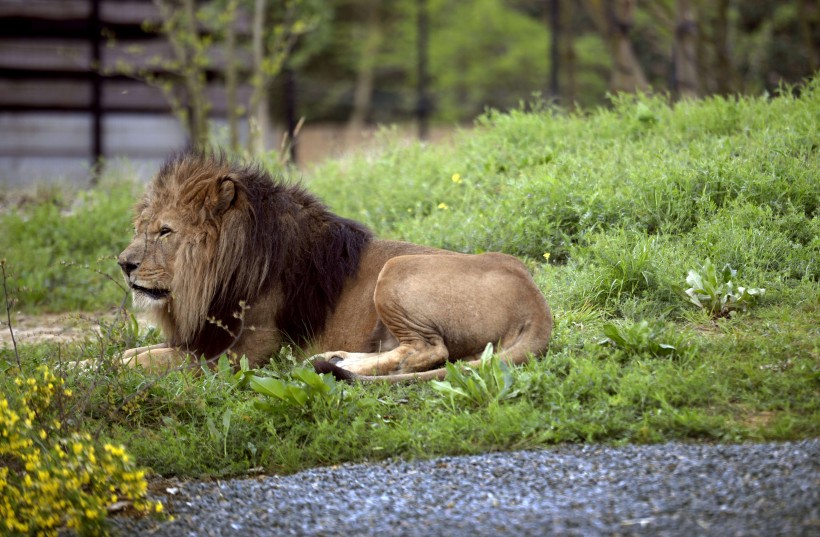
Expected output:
(442, 205)
(457, 179)
(547, 256)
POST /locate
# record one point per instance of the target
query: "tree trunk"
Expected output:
(804, 20)
(365, 77)
(568, 56)
(195, 78)
(180, 28)
(231, 76)
(724, 71)
(613, 20)
(627, 74)
(685, 51)
(555, 23)
(258, 116)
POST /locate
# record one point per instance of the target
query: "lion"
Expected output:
(228, 259)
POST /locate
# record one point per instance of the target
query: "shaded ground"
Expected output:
(669, 490)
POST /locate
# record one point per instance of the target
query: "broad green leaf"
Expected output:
(487, 354)
(311, 378)
(213, 432)
(297, 394)
(268, 386)
(611, 331)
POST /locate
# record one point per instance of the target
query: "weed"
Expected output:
(307, 391)
(716, 292)
(645, 337)
(490, 381)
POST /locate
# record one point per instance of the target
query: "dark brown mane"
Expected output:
(273, 234)
(319, 252)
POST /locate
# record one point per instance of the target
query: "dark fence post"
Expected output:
(423, 102)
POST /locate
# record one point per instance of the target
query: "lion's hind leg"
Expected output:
(408, 357)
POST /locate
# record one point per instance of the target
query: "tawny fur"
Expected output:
(225, 258)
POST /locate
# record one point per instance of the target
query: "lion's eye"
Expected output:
(165, 230)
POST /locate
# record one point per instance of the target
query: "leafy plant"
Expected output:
(490, 381)
(305, 390)
(717, 293)
(221, 436)
(644, 337)
(224, 371)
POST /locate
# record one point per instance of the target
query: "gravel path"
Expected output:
(672, 489)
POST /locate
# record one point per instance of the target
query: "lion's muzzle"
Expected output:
(154, 294)
(128, 266)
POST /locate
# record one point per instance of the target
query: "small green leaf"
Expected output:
(445, 387)
(226, 420)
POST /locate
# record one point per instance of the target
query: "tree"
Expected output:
(614, 20)
(207, 40)
(684, 56)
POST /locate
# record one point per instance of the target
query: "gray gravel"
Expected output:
(672, 489)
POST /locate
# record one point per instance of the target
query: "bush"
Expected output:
(50, 478)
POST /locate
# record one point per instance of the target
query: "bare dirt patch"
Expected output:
(51, 327)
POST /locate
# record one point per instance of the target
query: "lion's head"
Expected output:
(210, 234)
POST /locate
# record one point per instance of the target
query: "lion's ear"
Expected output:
(226, 195)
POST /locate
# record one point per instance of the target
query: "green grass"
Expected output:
(59, 247)
(626, 201)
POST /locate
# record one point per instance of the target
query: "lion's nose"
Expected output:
(127, 265)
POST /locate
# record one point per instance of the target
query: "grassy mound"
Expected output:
(679, 247)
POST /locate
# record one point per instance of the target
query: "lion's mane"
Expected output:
(243, 239)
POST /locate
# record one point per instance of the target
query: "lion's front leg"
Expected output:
(155, 358)
(128, 355)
